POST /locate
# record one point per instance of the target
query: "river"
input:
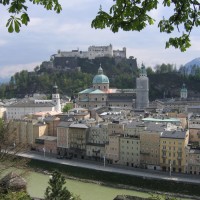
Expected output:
(38, 182)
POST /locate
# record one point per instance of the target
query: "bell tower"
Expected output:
(56, 98)
(142, 89)
(184, 92)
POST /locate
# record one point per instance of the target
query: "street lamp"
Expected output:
(170, 168)
(104, 160)
(44, 151)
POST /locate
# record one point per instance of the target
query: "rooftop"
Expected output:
(78, 126)
(150, 119)
(134, 124)
(49, 138)
(32, 103)
(179, 134)
(64, 124)
(157, 127)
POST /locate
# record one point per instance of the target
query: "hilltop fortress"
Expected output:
(93, 52)
(70, 60)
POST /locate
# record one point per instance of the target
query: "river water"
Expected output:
(38, 182)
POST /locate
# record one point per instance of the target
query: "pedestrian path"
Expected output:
(106, 168)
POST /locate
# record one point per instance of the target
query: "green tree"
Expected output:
(149, 71)
(130, 15)
(15, 196)
(165, 68)
(18, 10)
(67, 107)
(56, 189)
(9, 148)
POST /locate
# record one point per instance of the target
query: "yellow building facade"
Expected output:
(173, 150)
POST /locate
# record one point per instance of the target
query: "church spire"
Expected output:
(55, 89)
(100, 70)
(184, 92)
(143, 71)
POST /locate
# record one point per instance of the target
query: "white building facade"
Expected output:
(20, 109)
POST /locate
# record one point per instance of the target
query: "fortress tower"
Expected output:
(142, 89)
(56, 98)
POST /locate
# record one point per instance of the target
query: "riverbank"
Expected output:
(116, 180)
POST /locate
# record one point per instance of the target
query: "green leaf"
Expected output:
(10, 28)
(17, 25)
(25, 18)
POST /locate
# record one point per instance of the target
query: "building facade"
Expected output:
(192, 161)
(150, 146)
(173, 150)
(100, 94)
(78, 135)
(93, 52)
(130, 151)
(20, 109)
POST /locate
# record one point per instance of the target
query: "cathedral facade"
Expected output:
(101, 94)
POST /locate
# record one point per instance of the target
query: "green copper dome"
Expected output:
(100, 77)
(183, 89)
(143, 71)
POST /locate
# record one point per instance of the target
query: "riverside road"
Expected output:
(151, 174)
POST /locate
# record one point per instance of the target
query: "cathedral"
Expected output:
(101, 94)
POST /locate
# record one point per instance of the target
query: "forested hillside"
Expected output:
(164, 80)
(121, 73)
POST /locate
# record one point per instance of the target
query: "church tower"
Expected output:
(56, 98)
(142, 89)
(184, 92)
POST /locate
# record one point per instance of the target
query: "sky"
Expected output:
(49, 32)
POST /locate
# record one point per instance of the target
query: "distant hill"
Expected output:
(74, 75)
(71, 75)
(189, 67)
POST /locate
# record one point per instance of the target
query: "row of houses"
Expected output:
(168, 144)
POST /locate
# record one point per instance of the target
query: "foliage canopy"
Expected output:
(67, 107)
(20, 195)
(135, 15)
(128, 15)
(19, 11)
(56, 189)
(9, 148)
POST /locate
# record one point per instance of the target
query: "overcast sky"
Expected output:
(49, 32)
